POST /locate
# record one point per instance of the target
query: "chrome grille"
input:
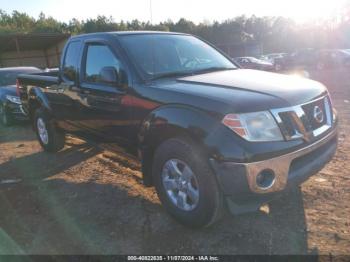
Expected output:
(309, 112)
(300, 121)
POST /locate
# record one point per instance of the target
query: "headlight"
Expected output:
(257, 127)
(14, 99)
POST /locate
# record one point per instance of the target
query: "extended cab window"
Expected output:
(99, 56)
(71, 61)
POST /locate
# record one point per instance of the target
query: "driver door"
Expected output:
(102, 112)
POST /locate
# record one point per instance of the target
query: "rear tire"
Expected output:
(202, 186)
(50, 137)
(5, 118)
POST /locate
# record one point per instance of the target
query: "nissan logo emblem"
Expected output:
(318, 114)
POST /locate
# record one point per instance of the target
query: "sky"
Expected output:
(162, 10)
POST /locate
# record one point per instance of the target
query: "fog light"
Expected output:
(265, 179)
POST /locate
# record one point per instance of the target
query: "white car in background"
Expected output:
(271, 57)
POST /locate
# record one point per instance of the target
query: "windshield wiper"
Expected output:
(212, 69)
(172, 74)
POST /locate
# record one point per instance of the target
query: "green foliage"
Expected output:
(22, 23)
(274, 33)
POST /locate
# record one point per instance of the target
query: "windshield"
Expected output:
(156, 55)
(9, 77)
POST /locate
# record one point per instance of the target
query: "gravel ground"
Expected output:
(83, 201)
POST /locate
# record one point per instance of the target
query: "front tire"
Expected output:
(50, 137)
(185, 184)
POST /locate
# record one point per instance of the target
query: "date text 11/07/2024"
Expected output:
(173, 258)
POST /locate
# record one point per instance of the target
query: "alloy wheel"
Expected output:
(42, 131)
(180, 184)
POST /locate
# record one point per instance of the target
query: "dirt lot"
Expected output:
(82, 201)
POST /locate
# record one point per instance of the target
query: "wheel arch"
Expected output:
(37, 99)
(168, 122)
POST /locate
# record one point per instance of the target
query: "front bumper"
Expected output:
(239, 180)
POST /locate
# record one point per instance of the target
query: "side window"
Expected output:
(70, 62)
(99, 56)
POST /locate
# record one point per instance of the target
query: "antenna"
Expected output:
(150, 10)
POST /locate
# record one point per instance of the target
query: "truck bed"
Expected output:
(39, 79)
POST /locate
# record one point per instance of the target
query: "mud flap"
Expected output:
(236, 209)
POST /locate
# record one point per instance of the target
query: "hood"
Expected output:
(293, 90)
(8, 90)
(237, 91)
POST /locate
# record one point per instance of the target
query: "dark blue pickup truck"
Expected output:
(209, 135)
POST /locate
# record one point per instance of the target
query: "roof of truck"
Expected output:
(128, 33)
(146, 32)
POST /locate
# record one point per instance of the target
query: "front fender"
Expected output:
(168, 120)
(214, 139)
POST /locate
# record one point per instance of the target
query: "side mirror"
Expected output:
(109, 75)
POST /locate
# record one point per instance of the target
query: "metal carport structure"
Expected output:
(41, 50)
